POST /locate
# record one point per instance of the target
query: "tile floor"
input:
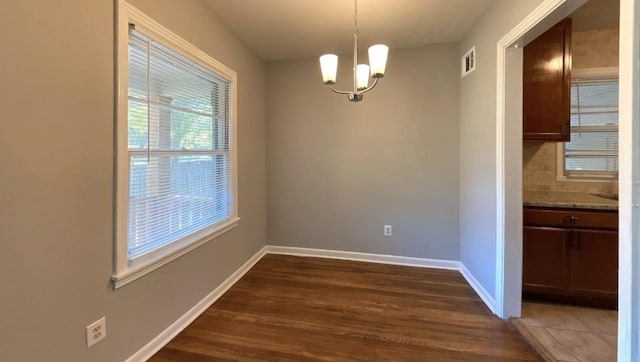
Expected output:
(569, 333)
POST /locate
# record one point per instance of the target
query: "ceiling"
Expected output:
(286, 29)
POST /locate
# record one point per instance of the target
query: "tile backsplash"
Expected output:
(594, 49)
(540, 172)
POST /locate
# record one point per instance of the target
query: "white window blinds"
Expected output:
(180, 181)
(594, 128)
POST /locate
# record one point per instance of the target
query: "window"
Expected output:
(176, 170)
(592, 152)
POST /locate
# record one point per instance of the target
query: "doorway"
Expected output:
(509, 158)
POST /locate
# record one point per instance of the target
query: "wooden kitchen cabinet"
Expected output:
(546, 260)
(571, 255)
(546, 77)
(594, 264)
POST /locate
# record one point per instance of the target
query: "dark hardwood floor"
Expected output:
(310, 309)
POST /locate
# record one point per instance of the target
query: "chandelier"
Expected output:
(361, 72)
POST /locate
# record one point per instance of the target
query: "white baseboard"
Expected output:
(176, 327)
(372, 258)
(484, 295)
(168, 334)
(390, 259)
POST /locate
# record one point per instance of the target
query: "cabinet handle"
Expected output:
(570, 239)
(573, 239)
(571, 219)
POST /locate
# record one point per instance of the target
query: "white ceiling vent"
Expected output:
(469, 62)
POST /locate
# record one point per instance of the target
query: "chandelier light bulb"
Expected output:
(362, 76)
(378, 59)
(329, 68)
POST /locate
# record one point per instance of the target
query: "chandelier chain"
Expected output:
(355, 45)
(355, 16)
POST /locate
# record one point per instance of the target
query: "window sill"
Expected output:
(145, 267)
(580, 176)
(586, 178)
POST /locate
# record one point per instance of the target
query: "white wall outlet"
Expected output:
(387, 230)
(96, 331)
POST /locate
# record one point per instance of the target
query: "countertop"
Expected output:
(580, 200)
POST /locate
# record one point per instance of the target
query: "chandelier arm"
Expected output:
(339, 91)
(375, 81)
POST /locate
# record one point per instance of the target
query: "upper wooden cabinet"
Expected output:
(546, 103)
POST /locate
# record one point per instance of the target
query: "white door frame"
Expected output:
(509, 167)
(629, 184)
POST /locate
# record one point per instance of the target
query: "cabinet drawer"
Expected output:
(571, 218)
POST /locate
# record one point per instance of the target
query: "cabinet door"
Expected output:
(594, 264)
(545, 260)
(546, 103)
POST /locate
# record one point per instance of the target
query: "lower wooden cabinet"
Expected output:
(546, 260)
(575, 263)
(594, 264)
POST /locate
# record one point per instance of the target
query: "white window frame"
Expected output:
(561, 175)
(126, 271)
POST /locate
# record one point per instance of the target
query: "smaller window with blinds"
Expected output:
(592, 153)
(176, 169)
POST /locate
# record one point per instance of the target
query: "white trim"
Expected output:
(390, 259)
(126, 271)
(145, 267)
(367, 257)
(121, 181)
(183, 322)
(129, 13)
(579, 176)
(512, 38)
(508, 40)
(629, 184)
(486, 297)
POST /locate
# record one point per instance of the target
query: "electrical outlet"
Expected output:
(96, 331)
(387, 230)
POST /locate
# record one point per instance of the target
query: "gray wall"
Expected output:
(338, 171)
(478, 139)
(56, 173)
